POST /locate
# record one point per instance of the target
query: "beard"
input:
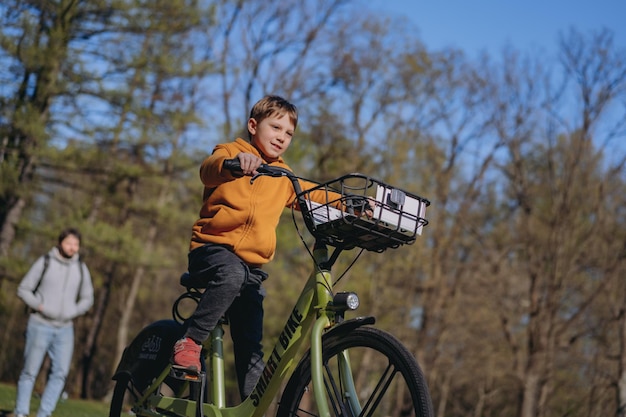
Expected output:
(64, 254)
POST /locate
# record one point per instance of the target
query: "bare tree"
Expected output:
(556, 185)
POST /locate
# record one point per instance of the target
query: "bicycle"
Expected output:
(361, 212)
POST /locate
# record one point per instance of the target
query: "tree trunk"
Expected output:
(90, 344)
(127, 313)
(15, 307)
(621, 384)
(7, 233)
(530, 395)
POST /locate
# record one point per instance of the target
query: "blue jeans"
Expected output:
(58, 343)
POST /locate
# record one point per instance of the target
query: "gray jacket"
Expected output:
(58, 291)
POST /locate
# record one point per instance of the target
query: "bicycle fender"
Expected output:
(347, 326)
(149, 352)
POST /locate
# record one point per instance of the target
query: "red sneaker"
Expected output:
(187, 354)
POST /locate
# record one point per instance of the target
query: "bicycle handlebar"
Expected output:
(346, 219)
(234, 166)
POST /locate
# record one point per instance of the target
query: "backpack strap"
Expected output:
(46, 262)
(81, 266)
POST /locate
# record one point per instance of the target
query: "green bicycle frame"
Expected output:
(309, 315)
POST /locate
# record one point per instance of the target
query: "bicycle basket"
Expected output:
(360, 211)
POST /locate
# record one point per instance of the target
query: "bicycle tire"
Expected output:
(119, 393)
(406, 392)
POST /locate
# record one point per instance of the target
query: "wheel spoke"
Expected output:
(335, 391)
(379, 391)
(334, 396)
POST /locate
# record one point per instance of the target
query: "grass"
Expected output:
(66, 408)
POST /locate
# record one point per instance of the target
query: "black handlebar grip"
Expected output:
(233, 165)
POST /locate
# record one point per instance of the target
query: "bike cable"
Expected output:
(308, 249)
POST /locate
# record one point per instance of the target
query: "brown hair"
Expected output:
(67, 232)
(271, 105)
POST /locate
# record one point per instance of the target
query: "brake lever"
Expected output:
(269, 173)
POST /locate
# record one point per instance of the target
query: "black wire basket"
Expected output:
(363, 212)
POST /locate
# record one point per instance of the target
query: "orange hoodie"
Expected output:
(238, 214)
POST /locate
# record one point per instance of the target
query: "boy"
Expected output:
(235, 236)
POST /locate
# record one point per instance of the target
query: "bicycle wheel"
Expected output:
(119, 392)
(387, 379)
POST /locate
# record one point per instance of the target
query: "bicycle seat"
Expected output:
(194, 290)
(188, 281)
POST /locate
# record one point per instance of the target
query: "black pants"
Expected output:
(233, 289)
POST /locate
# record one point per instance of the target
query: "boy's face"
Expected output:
(272, 135)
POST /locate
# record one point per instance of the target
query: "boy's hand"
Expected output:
(369, 207)
(249, 163)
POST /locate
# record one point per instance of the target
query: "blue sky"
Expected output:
(489, 25)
